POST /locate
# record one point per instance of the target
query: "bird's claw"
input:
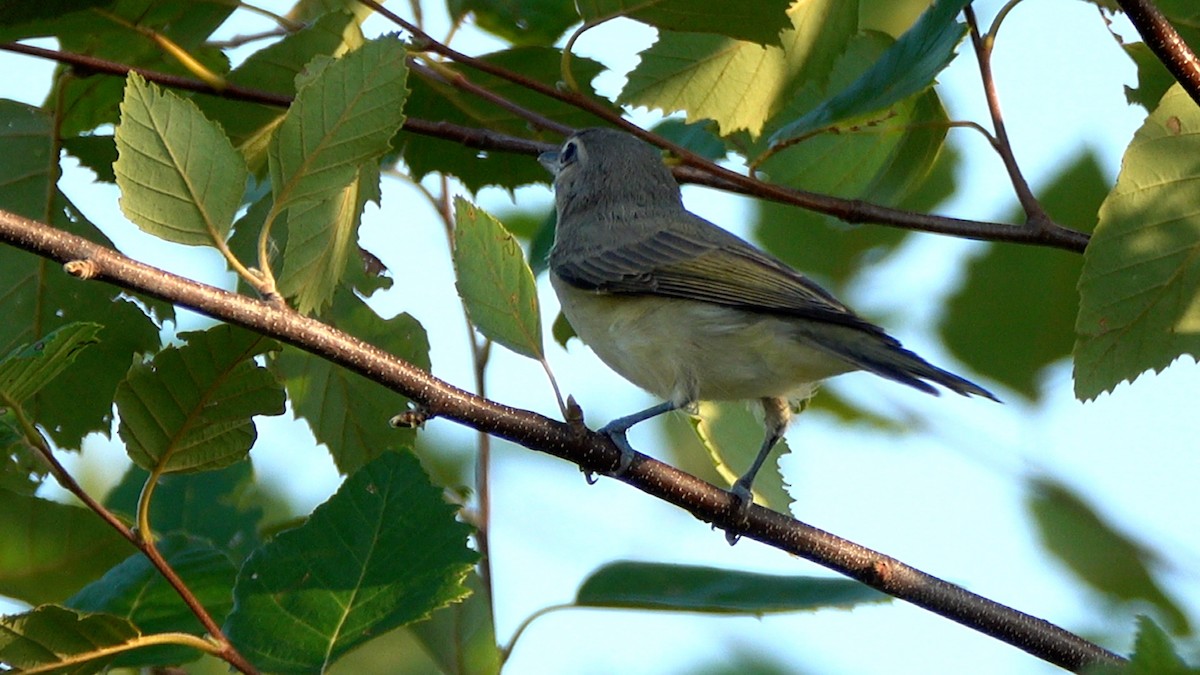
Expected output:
(617, 436)
(742, 499)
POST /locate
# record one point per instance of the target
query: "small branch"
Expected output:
(1162, 39)
(1034, 213)
(694, 170)
(593, 452)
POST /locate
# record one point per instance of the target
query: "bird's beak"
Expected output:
(550, 161)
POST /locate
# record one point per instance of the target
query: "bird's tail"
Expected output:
(883, 355)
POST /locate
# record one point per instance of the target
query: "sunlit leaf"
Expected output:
(738, 84)
(1139, 306)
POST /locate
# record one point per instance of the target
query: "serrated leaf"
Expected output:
(731, 437)
(1015, 294)
(494, 282)
(192, 407)
(342, 117)
(1153, 653)
(1139, 307)
(30, 367)
(906, 68)
(758, 21)
(521, 22)
(51, 635)
(321, 237)
(180, 178)
(434, 100)
(685, 588)
(739, 84)
(51, 550)
(347, 412)
(39, 298)
(215, 505)
(385, 550)
(136, 590)
(1104, 558)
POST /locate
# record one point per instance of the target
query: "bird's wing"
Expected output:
(716, 268)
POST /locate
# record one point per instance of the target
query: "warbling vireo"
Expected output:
(690, 312)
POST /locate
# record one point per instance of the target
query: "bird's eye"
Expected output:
(567, 155)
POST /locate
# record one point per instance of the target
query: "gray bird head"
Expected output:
(604, 173)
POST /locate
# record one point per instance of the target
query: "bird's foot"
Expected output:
(742, 499)
(616, 434)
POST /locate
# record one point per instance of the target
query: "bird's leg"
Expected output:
(616, 429)
(777, 414)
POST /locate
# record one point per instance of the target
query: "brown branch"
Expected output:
(593, 452)
(694, 170)
(1162, 39)
(1036, 216)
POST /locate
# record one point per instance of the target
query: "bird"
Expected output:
(690, 312)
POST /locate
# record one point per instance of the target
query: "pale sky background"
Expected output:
(945, 500)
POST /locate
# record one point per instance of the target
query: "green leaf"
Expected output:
(345, 112)
(16, 13)
(343, 118)
(738, 84)
(1102, 557)
(433, 100)
(39, 298)
(384, 551)
(757, 21)
(137, 591)
(1019, 295)
(216, 505)
(908, 67)
(494, 282)
(191, 409)
(179, 176)
(51, 550)
(30, 367)
(521, 22)
(1138, 306)
(1153, 653)
(700, 137)
(321, 240)
(346, 411)
(684, 588)
(51, 635)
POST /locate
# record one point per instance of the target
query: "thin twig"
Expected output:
(1036, 216)
(593, 452)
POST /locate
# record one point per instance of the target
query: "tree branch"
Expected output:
(593, 452)
(694, 170)
(1162, 39)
